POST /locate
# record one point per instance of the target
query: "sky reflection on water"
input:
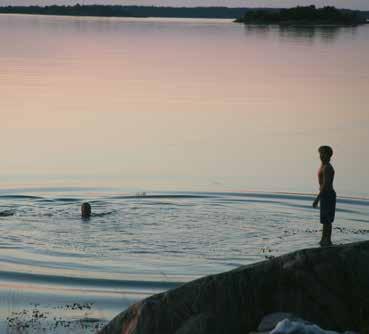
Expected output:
(181, 104)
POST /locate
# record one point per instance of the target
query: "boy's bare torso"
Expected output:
(326, 177)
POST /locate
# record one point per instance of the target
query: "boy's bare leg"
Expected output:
(329, 234)
(326, 235)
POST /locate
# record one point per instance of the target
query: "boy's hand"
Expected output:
(315, 203)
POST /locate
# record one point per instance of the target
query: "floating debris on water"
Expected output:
(35, 320)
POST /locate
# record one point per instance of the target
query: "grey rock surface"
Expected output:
(325, 286)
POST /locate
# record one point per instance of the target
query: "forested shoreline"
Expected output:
(128, 11)
(305, 15)
(245, 15)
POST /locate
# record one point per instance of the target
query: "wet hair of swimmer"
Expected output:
(86, 210)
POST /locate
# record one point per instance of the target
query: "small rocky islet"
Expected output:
(326, 288)
(304, 16)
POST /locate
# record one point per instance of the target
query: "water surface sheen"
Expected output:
(181, 104)
(135, 245)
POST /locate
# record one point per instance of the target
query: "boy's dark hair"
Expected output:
(326, 150)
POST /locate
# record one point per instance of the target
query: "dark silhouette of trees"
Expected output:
(76, 10)
(128, 11)
(304, 15)
(309, 15)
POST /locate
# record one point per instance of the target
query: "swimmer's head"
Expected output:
(326, 153)
(86, 210)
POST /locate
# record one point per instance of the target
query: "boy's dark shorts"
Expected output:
(327, 207)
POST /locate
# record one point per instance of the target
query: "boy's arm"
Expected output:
(316, 201)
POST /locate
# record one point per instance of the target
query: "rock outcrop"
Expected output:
(287, 323)
(325, 286)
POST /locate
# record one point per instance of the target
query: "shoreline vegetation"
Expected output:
(304, 16)
(309, 15)
(128, 11)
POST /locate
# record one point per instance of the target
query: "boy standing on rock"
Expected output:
(327, 195)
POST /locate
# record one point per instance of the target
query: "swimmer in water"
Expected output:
(86, 210)
(327, 195)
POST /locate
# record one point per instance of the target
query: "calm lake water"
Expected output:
(181, 104)
(166, 126)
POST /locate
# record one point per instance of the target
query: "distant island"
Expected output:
(309, 15)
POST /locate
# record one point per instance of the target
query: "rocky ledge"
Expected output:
(325, 286)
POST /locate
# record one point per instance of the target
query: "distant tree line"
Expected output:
(304, 15)
(76, 10)
(127, 11)
(248, 15)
